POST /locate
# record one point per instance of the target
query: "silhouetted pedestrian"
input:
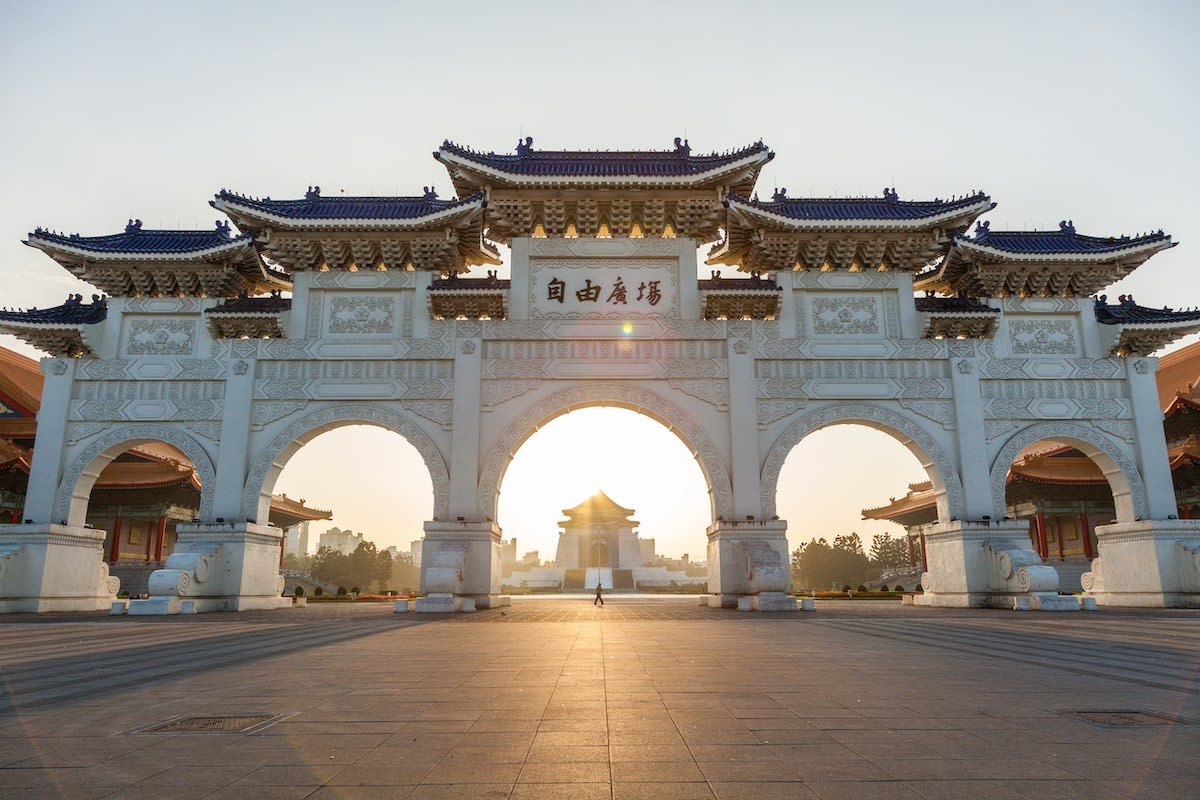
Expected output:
(598, 599)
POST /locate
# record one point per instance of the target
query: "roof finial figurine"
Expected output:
(223, 228)
(133, 226)
(430, 193)
(1067, 226)
(981, 228)
(526, 147)
(890, 195)
(681, 147)
(313, 193)
(780, 195)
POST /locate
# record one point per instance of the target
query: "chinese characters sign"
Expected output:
(576, 289)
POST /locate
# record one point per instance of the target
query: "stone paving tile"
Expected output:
(860, 790)
(561, 791)
(651, 699)
(662, 791)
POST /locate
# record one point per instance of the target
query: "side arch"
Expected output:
(500, 453)
(270, 459)
(943, 474)
(75, 488)
(1129, 492)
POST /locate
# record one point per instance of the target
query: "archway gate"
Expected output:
(196, 345)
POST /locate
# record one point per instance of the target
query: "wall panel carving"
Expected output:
(161, 337)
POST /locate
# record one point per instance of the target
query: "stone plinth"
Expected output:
(976, 564)
(748, 565)
(1148, 563)
(218, 567)
(45, 567)
(460, 560)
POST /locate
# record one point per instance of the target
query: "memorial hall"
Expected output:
(207, 358)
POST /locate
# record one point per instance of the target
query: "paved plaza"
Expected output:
(643, 698)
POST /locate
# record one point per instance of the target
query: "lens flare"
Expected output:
(627, 328)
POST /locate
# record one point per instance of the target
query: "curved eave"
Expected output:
(55, 338)
(488, 175)
(1144, 338)
(240, 213)
(1144, 250)
(241, 247)
(754, 217)
(490, 253)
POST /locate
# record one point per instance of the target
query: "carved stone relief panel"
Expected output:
(1039, 336)
(354, 314)
(604, 358)
(149, 336)
(845, 314)
(354, 379)
(363, 279)
(163, 305)
(148, 400)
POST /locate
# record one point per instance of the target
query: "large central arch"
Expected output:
(256, 496)
(943, 474)
(500, 453)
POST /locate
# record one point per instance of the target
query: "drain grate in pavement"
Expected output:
(232, 724)
(1127, 719)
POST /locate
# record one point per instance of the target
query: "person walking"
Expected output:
(598, 599)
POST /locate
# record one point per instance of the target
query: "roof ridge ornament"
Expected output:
(982, 228)
(133, 226)
(890, 195)
(526, 147)
(1067, 226)
(429, 193)
(313, 193)
(780, 195)
(223, 228)
(682, 148)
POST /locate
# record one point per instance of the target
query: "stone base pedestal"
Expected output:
(987, 564)
(1149, 563)
(218, 567)
(749, 566)
(460, 560)
(46, 567)
(436, 603)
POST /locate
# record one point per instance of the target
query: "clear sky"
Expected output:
(1062, 110)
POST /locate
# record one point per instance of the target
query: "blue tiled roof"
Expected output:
(952, 305)
(72, 312)
(1063, 240)
(753, 281)
(135, 239)
(1126, 311)
(604, 163)
(244, 304)
(455, 282)
(888, 207)
(314, 206)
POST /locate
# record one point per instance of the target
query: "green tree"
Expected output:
(822, 565)
(888, 553)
